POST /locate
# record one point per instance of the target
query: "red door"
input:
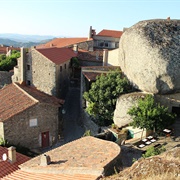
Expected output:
(45, 139)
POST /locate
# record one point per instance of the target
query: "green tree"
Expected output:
(103, 95)
(8, 63)
(150, 115)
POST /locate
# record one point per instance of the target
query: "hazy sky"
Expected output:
(74, 17)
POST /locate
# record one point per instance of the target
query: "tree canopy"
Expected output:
(8, 63)
(103, 95)
(150, 115)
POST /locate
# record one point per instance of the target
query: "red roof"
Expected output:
(110, 33)
(6, 167)
(63, 42)
(83, 159)
(90, 55)
(4, 50)
(16, 98)
(57, 55)
(17, 175)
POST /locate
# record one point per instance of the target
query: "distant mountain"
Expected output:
(25, 38)
(13, 43)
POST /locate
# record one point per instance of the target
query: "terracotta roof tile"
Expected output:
(4, 50)
(90, 55)
(91, 76)
(16, 98)
(82, 159)
(110, 33)
(57, 55)
(63, 42)
(6, 167)
(19, 174)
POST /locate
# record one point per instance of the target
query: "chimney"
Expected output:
(23, 58)
(45, 160)
(90, 33)
(75, 48)
(12, 154)
(105, 57)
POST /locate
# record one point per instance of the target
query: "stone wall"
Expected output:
(1, 130)
(5, 78)
(113, 56)
(42, 72)
(88, 45)
(90, 63)
(62, 79)
(169, 100)
(17, 130)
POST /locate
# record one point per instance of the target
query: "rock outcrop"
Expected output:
(165, 166)
(149, 55)
(123, 104)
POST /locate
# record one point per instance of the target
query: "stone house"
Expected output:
(107, 39)
(47, 69)
(29, 117)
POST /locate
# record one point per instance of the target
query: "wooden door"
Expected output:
(45, 139)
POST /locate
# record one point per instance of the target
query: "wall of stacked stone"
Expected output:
(5, 78)
(86, 45)
(42, 73)
(17, 129)
(62, 78)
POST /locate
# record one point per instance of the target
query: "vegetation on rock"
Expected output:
(148, 114)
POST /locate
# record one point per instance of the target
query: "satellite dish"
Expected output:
(4, 157)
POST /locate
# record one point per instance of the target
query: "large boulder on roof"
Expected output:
(149, 55)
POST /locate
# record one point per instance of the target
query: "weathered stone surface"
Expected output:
(5, 78)
(123, 104)
(149, 55)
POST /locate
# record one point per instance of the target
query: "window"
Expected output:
(28, 82)
(65, 66)
(106, 44)
(103, 44)
(32, 122)
(60, 68)
(28, 67)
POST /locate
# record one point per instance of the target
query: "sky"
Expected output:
(72, 18)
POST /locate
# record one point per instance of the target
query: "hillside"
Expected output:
(9, 42)
(25, 38)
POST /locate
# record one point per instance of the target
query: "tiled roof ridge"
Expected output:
(111, 30)
(22, 90)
